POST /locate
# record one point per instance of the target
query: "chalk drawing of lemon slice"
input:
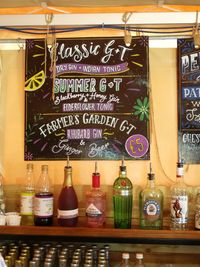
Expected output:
(35, 82)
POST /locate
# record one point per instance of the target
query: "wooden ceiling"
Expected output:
(8, 7)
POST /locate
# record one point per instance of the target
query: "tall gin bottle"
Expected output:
(179, 201)
(95, 202)
(151, 205)
(122, 199)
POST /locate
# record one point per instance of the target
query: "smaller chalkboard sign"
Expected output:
(188, 101)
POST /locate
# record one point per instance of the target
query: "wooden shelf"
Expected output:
(116, 235)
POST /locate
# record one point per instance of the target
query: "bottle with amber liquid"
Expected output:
(95, 202)
(43, 200)
(67, 201)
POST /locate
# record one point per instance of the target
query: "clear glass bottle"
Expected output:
(95, 202)
(2, 196)
(122, 199)
(139, 260)
(179, 201)
(27, 197)
(43, 200)
(197, 212)
(68, 201)
(151, 205)
(125, 260)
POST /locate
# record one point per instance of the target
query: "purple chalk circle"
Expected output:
(137, 145)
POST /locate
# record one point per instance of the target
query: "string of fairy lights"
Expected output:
(142, 29)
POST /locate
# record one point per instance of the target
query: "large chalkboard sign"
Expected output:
(99, 105)
(189, 101)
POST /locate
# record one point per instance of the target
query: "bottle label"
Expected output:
(43, 207)
(93, 211)
(179, 209)
(67, 214)
(123, 192)
(26, 207)
(151, 210)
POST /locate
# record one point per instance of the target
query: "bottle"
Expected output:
(67, 200)
(43, 200)
(18, 263)
(139, 260)
(151, 205)
(27, 196)
(2, 198)
(179, 201)
(122, 199)
(197, 212)
(95, 202)
(125, 260)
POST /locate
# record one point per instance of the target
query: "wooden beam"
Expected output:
(98, 9)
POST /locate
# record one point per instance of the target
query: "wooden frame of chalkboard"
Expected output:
(188, 101)
(95, 106)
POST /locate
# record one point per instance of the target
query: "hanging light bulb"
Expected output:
(127, 37)
(196, 33)
(49, 37)
(49, 40)
(127, 34)
(196, 38)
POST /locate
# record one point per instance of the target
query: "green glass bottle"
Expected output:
(151, 205)
(122, 199)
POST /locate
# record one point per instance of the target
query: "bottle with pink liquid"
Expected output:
(95, 202)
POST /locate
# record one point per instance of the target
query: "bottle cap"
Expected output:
(180, 164)
(139, 256)
(125, 256)
(68, 166)
(29, 166)
(122, 167)
(44, 167)
(151, 176)
(96, 180)
(180, 170)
